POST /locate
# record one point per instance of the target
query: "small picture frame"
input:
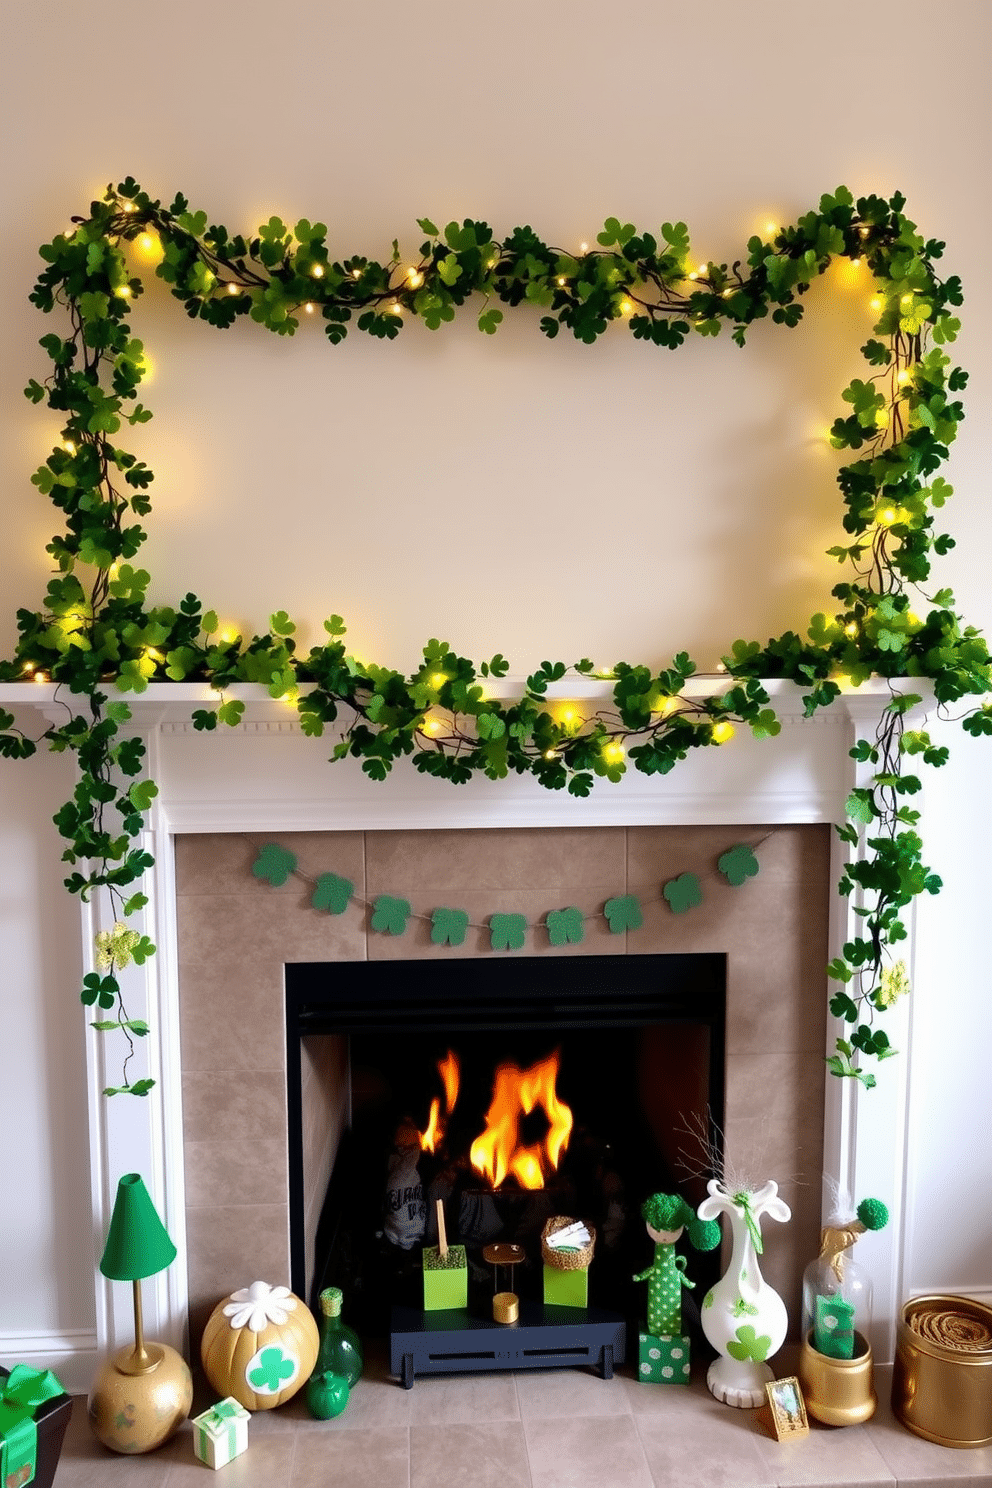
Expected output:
(787, 1409)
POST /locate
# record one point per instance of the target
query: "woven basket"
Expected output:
(566, 1260)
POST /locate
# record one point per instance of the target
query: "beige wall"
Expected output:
(507, 493)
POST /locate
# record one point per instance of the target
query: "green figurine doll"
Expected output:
(664, 1350)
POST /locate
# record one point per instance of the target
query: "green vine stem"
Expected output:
(96, 634)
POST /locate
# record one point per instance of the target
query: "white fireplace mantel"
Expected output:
(265, 776)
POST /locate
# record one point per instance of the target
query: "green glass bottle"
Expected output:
(340, 1350)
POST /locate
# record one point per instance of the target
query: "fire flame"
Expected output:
(497, 1154)
(449, 1072)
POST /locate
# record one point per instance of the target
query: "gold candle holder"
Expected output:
(506, 1305)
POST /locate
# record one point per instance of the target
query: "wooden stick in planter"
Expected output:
(442, 1236)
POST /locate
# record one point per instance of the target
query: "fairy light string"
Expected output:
(97, 635)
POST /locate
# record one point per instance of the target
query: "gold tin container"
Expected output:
(838, 1392)
(506, 1307)
(942, 1379)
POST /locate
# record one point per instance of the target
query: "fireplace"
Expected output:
(511, 1093)
(211, 1136)
(239, 940)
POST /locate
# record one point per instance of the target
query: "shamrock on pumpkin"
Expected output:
(273, 1368)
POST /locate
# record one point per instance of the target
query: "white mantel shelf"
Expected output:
(266, 776)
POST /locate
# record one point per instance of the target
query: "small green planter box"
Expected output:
(663, 1360)
(565, 1288)
(445, 1280)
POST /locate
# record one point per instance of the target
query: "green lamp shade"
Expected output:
(138, 1243)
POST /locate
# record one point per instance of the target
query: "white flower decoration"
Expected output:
(256, 1306)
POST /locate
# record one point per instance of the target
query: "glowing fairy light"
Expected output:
(722, 731)
(614, 752)
(414, 278)
(317, 272)
(851, 629)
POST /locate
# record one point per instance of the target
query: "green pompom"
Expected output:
(704, 1233)
(666, 1212)
(873, 1214)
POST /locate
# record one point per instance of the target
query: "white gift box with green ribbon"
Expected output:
(221, 1433)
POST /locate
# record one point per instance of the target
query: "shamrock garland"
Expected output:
(507, 932)
(97, 631)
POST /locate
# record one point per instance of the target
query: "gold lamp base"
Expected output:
(838, 1392)
(138, 1399)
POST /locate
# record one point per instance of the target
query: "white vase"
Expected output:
(742, 1316)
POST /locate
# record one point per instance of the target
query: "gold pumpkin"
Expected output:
(260, 1345)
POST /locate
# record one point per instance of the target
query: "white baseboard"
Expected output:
(72, 1355)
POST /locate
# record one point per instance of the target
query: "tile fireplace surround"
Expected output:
(219, 1067)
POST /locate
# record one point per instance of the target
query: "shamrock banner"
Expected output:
(330, 893)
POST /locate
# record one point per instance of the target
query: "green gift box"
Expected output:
(663, 1359)
(34, 1414)
(566, 1288)
(221, 1433)
(445, 1278)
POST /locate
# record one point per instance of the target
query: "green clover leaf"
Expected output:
(623, 913)
(738, 864)
(332, 893)
(389, 915)
(273, 1367)
(683, 893)
(507, 931)
(565, 926)
(449, 926)
(274, 863)
(749, 1345)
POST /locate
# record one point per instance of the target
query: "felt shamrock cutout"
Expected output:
(333, 893)
(565, 926)
(449, 926)
(738, 864)
(623, 913)
(274, 863)
(389, 915)
(683, 893)
(507, 931)
(273, 1368)
(115, 947)
(749, 1345)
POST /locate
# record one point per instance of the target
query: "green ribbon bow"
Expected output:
(220, 1417)
(24, 1390)
(743, 1201)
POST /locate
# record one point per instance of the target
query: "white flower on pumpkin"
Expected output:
(256, 1306)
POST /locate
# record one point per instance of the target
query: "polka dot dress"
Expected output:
(665, 1283)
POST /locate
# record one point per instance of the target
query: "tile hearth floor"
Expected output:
(533, 1429)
